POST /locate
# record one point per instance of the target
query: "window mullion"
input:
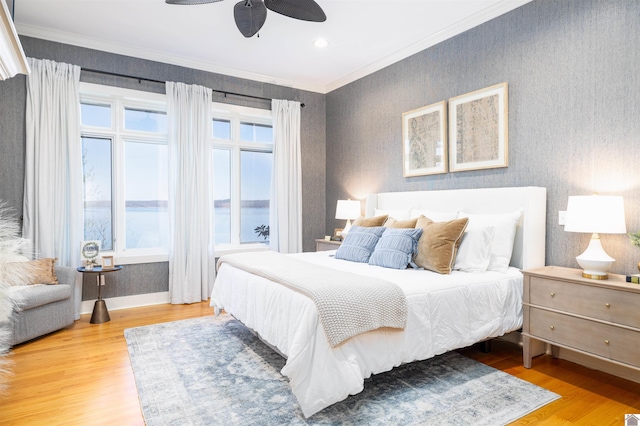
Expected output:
(235, 183)
(119, 183)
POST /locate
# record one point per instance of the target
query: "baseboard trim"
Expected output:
(124, 302)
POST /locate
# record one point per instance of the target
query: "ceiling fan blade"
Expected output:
(250, 16)
(305, 10)
(185, 2)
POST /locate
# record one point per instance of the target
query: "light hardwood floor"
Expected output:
(82, 376)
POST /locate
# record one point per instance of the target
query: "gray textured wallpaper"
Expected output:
(574, 89)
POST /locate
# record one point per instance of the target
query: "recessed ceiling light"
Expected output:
(320, 43)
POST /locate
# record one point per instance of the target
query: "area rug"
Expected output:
(214, 371)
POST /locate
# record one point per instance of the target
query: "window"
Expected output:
(125, 172)
(242, 141)
(126, 178)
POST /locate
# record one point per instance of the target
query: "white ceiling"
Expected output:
(364, 35)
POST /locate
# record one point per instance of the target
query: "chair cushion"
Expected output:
(31, 296)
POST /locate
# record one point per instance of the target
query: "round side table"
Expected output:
(100, 313)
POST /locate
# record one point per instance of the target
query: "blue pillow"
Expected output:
(396, 247)
(359, 243)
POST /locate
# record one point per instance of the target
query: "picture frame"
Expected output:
(107, 262)
(424, 140)
(479, 129)
(89, 251)
(337, 234)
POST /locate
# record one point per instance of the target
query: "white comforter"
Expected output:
(446, 312)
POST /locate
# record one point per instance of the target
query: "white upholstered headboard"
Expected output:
(529, 245)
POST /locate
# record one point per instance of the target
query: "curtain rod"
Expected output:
(224, 92)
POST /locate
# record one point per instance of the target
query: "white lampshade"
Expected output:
(596, 214)
(603, 214)
(347, 209)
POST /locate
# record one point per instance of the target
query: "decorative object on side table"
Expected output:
(107, 262)
(100, 313)
(89, 251)
(634, 279)
(596, 214)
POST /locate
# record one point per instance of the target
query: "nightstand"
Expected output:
(598, 318)
(324, 245)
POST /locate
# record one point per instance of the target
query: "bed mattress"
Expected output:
(446, 312)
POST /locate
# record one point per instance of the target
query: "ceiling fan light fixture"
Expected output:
(250, 15)
(320, 43)
(190, 2)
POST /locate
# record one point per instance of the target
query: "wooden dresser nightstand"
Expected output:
(324, 245)
(599, 318)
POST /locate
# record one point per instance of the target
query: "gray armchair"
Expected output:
(42, 309)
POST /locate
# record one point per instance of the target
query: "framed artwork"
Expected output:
(478, 129)
(89, 251)
(424, 140)
(107, 262)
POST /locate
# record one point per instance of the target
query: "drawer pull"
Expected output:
(552, 294)
(552, 327)
(606, 342)
(608, 305)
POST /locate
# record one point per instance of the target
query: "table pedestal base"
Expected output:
(100, 313)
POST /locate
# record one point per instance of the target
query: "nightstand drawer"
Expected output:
(606, 304)
(608, 341)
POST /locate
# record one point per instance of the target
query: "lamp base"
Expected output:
(595, 276)
(595, 262)
(346, 229)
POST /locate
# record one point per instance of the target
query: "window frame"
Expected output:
(118, 99)
(235, 115)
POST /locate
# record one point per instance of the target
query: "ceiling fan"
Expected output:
(250, 15)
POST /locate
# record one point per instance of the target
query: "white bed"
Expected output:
(446, 312)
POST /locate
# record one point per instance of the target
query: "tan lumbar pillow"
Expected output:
(392, 223)
(369, 222)
(439, 243)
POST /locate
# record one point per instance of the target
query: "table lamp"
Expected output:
(596, 214)
(347, 209)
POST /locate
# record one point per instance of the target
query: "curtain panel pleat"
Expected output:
(52, 206)
(191, 248)
(285, 234)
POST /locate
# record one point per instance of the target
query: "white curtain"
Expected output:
(53, 163)
(285, 224)
(191, 253)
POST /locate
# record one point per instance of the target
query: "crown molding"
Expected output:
(151, 55)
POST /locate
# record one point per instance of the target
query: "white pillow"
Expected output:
(474, 253)
(396, 214)
(505, 233)
(434, 216)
